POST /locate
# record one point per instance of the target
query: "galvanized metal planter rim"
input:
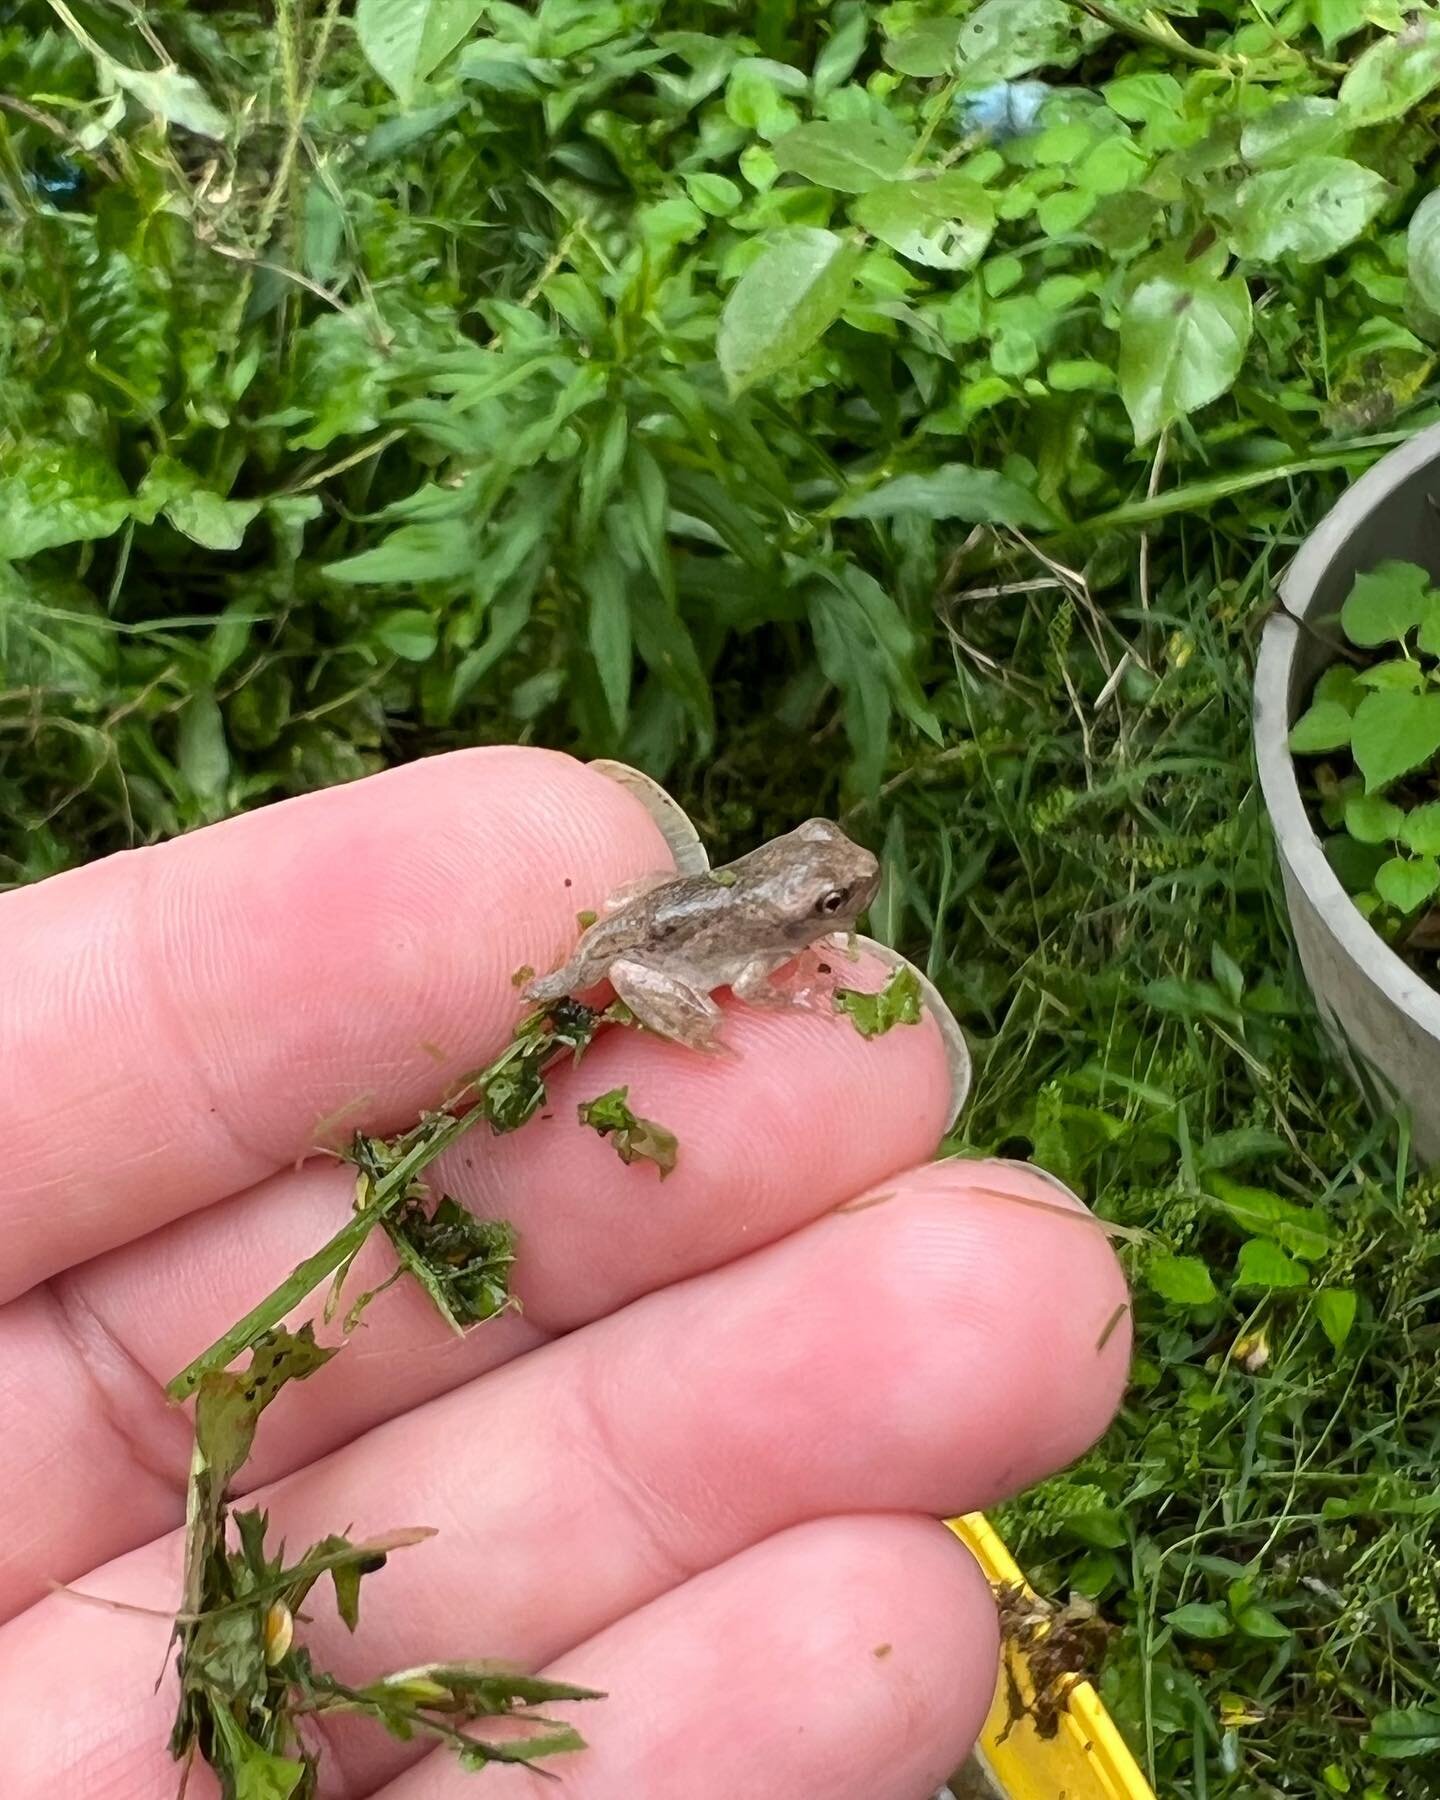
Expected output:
(1278, 784)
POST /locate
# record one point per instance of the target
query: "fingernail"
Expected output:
(691, 857)
(1030, 1168)
(957, 1052)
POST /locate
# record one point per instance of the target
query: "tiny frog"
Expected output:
(666, 945)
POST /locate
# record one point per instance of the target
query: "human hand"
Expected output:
(701, 1470)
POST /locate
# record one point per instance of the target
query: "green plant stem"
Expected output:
(433, 1138)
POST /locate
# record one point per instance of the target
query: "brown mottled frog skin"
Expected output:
(665, 944)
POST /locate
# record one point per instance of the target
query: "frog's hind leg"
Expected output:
(667, 1006)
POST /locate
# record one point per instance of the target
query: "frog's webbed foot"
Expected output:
(667, 1006)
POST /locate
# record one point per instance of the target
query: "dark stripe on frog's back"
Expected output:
(684, 907)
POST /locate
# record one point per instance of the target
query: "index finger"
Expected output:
(178, 1022)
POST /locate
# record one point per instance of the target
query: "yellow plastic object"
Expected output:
(1087, 1759)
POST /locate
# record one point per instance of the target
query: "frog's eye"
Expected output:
(831, 902)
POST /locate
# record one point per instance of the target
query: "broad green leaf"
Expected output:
(1304, 1230)
(1371, 820)
(1144, 99)
(1263, 1265)
(1005, 38)
(1422, 251)
(1337, 20)
(197, 512)
(1324, 726)
(1386, 604)
(714, 194)
(1340, 682)
(1308, 125)
(1405, 1732)
(405, 40)
(1421, 830)
(1393, 733)
(1335, 1309)
(942, 222)
(1182, 1280)
(1309, 210)
(1407, 882)
(927, 48)
(171, 95)
(53, 494)
(1388, 79)
(409, 633)
(783, 303)
(1200, 1619)
(438, 551)
(1183, 337)
(953, 491)
(850, 158)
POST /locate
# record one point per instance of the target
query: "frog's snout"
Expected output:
(868, 884)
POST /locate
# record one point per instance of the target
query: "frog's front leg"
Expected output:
(754, 984)
(666, 1004)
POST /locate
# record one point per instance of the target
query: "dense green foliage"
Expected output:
(1377, 728)
(769, 396)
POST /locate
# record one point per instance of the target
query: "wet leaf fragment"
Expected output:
(899, 1002)
(633, 1139)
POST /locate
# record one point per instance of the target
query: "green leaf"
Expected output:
(1303, 1230)
(1145, 99)
(1182, 1280)
(1005, 38)
(1387, 80)
(438, 550)
(405, 40)
(168, 94)
(52, 494)
(1200, 1619)
(953, 491)
(942, 222)
(202, 753)
(1308, 125)
(1421, 830)
(1183, 337)
(1371, 820)
(1324, 726)
(607, 626)
(632, 1138)
(1386, 604)
(899, 1002)
(254, 1772)
(1404, 1732)
(1260, 1622)
(1422, 251)
(851, 158)
(195, 511)
(1393, 733)
(783, 303)
(1335, 1309)
(1309, 210)
(409, 633)
(1264, 1265)
(1406, 882)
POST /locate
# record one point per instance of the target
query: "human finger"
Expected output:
(804, 1115)
(178, 1022)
